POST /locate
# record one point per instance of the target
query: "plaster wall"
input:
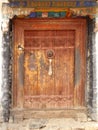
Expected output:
(96, 39)
(1, 49)
(0, 53)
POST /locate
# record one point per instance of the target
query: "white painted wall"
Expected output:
(97, 64)
(1, 1)
(0, 52)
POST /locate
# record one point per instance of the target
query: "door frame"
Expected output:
(77, 24)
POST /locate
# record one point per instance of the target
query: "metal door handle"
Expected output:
(50, 67)
(50, 56)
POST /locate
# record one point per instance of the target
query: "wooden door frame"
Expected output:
(77, 24)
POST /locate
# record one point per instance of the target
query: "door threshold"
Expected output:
(77, 114)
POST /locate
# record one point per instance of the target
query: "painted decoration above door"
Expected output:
(53, 8)
(53, 3)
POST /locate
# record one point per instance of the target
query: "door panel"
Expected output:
(41, 89)
(49, 63)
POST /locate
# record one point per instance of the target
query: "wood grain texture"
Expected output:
(41, 89)
(65, 88)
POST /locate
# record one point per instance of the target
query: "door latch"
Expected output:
(50, 55)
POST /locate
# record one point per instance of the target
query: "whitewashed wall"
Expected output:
(96, 40)
(0, 52)
(1, 1)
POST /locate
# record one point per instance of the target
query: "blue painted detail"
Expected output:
(25, 4)
(33, 15)
(77, 3)
(89, 3)
(14, 4)
(18, 4)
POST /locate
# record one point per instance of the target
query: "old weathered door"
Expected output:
(49, 68)
(49, 64)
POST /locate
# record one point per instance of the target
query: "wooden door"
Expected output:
(49, 69)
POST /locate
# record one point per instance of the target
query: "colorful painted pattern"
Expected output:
(53, 3)
(9, 12)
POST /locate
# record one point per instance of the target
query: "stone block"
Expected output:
(81, 117)
(37, 124)
(78, 128)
